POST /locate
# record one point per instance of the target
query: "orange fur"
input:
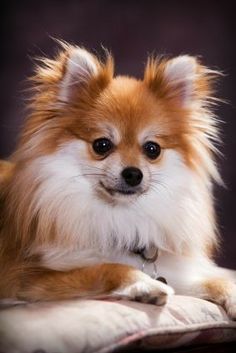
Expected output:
(28, 281)
(216, 288)
(6, 170)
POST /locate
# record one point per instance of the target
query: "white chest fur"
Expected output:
(170, 215)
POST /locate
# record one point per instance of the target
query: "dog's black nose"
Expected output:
(132, 176)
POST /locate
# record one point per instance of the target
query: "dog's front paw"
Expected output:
(146, 290)
(151, 292)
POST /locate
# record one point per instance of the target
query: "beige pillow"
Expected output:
(101, 325)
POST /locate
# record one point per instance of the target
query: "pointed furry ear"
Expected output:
(73, 74)
(180, 73)
(177, 79)
(81, 66)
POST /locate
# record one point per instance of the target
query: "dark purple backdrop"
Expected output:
(131, 29)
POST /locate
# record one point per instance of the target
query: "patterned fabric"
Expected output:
(103, 326)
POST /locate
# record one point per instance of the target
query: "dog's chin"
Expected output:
(119, 194)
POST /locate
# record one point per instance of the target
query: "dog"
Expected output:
(109, 191)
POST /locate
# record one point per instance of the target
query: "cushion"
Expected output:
(105, 325)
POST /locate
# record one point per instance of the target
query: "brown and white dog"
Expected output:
(111, 185)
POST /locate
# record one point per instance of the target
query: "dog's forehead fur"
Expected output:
(125, 103)
(129, 104)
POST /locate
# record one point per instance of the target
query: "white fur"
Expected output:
(110, 131)
(150, 134)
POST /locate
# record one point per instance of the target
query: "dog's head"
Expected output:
(128, 137)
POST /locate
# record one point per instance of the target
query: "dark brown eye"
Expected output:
(152, 149)
(102, 146)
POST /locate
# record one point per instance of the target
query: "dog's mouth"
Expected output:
(121, 191)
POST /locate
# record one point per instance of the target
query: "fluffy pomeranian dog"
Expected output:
(110, 189)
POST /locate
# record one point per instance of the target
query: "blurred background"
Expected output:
(130, 29)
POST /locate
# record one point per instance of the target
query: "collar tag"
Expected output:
(149, 255)
(154, 272)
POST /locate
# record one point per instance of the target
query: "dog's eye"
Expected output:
(152, 149)
(102, 146)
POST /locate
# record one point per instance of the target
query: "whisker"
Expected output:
(91, 168)
(88, 174)
(156, 185)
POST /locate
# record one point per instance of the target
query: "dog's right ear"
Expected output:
(74, 71)
(80, 68)
(82, 71)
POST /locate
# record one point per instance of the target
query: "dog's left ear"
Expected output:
(182, 80)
